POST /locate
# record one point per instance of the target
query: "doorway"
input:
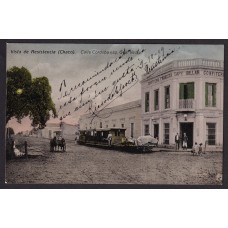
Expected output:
(156, 130)
(188, 129)
(132, 130)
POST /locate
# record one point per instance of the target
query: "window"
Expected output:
(147, 101)
(167, 97)
(156, 100)
(106, 126)
(100, 124)
(186, 90)
(166, 133)
(156, 131)
(132, 130)
(146, 129)
(210, 95)
(211, 133)
(122, 125)
(114, 125)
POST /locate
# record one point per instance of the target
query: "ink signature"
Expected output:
(120, 76)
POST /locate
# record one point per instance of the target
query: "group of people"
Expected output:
(57, 143)
(184, 141)
(196, 149)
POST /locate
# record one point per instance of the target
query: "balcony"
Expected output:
(186, 104)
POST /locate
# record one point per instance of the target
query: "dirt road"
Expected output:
(87, 165)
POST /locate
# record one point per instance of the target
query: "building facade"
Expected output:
(184, 96)
(68, 131)
(51, 130)
(121, 116)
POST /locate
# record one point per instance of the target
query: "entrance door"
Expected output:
(188, 129)
(156, 130)
(50, 134)
(132, 130)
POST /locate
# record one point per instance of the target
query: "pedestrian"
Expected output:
(177, 141)
(200, 149)
(51, 145)
(62, 143)
(109, 139)
(195, 149)
(76, 139)
(185, 142)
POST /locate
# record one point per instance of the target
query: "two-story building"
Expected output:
(184, 96)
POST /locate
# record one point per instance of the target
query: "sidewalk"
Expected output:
(163, 149)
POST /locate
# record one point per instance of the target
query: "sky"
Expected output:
(75, 63)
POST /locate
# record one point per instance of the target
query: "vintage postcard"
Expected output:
(114, 114)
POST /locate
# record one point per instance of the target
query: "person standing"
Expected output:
(109, 139)
(177, 141)
(185, 142)
(195, 149)
(200, 149)
(76, 139)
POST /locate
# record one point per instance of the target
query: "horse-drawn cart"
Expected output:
(57, 144)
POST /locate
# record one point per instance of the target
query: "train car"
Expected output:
(100, 138)
(101, 135)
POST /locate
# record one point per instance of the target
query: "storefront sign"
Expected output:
(185, 73)
(161, 78)
(212, 73)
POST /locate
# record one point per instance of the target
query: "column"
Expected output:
(174, 92)
(199, 129)
(200, 94)
(161, 129)
(174, 129)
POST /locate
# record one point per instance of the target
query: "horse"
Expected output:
(61, 143)
(53, 144)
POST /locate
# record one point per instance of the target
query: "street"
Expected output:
(87, 165)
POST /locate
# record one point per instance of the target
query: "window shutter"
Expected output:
(206, 94)
(157, 99)
(191, 90)
(147, 97)
(214, 94)
(181, 91)
(154, 100)
(145, 102)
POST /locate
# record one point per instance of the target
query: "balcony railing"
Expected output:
(186, 103)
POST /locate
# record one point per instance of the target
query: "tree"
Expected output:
(9, 131)
(19, 81)
(41, 102)
(28, 97)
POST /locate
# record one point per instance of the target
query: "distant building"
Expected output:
(127, 116)
(68, 131)
(51, 130)
(184, 96)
